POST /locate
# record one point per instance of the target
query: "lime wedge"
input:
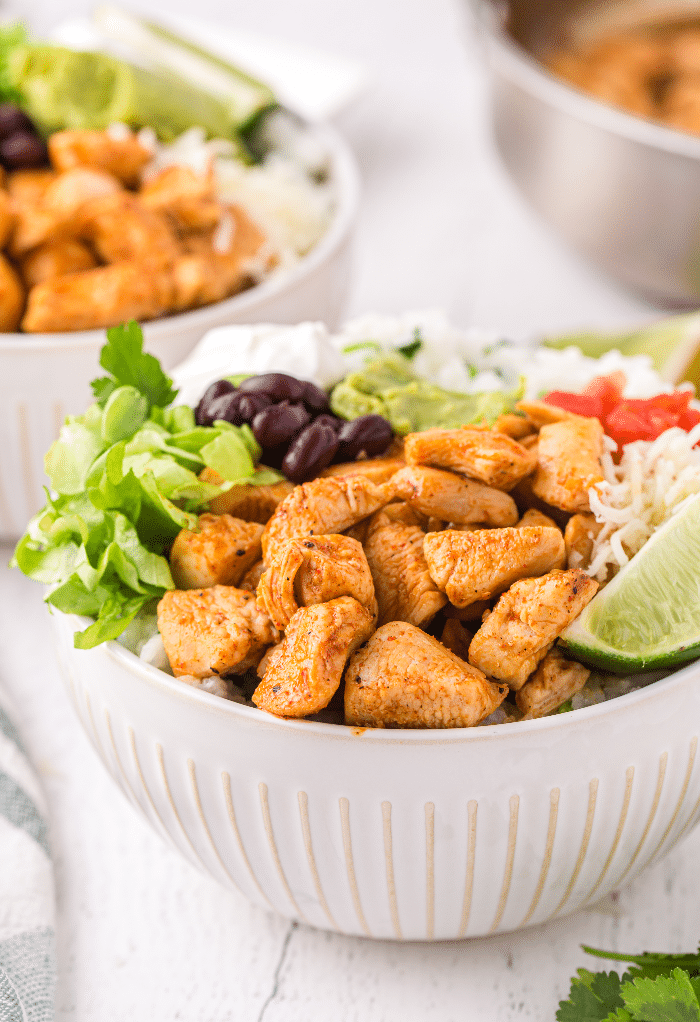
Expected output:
(673, 345)
(649, 615)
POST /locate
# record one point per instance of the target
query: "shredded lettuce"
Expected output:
(124, 481)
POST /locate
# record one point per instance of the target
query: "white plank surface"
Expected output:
(144, 937)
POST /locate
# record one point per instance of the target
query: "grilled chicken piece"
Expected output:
(378, 470)
(119, 227)
(219, 270)
(568, 462)
(304, 572)
(456, 638)
(400, 511)
(402, 582)
(323, 507)
(52, 215)
(251, 579)
(246, 501)
(124, 158)
(555, 680)
(28, 186)
(525, 622)
(54, 258)
(303, 673)
(471, 566)
(534, 517)
(219, 554)
(483, 454)
(405, 678)
(219, 630)
(12, 296)
(542, 414)
(579, 536)
(104, 296)
(452, 498)
(187, 198)
(515, 426)
(7, 217)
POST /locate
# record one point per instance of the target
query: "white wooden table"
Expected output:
(141, 935)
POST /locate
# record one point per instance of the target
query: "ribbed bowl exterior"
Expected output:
(44, 377)
(396, 834)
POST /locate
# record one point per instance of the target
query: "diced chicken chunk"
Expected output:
(406, 678)
(316, 569)
(378, 470)
(303, 673)
(324, 506)
(124, 158)
(555, 680)
(54, 258)
(219, 554)
(534, 517)
(579, 537)
(251, 579)
(188, 198)
(540, 413)
(516, 426)
(119, 227)
(471, 566)
(219, 630)
(568, 462)
(492, 458)
(12, 296)
(402, 582)
(525, 622)
(453, 498)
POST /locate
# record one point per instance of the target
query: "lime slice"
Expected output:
(649, 615)
(673, 344)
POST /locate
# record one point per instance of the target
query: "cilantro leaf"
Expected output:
(125, 360)
(410, 350)
(664, 999)
(592, 998)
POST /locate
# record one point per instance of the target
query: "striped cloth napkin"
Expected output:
(27, 938)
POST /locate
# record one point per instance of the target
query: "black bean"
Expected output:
(202, 414)
(12, 119)
(311, 452)
(329, 420)
(370, 434)
(228, 408)
(23, 150)
(279, 386)
(280, 423)
(250, 404)
(315, 399)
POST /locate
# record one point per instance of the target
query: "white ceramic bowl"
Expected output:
(44, 377)
(412, 835)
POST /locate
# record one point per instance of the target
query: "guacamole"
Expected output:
(388, 386)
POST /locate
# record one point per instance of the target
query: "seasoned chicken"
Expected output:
(28, 186)
(579, 536)
(525, 622)
(405, 678)
(541, 413)
(7, 217)
(378, 470)
(219, 554)
(246, 501)
(515, 426)
(568, 462)
(324, 506)
(555, 680)
(400, 511)
(453, 498)
(187, 198)
(119, 227)
(124, 158)
(219, 630)
(55, 258)
(483, 454)
(52, 215)
(402, 582)
(220, 270)
(534, 517)
(471, 566)
(104, 296)
(304, 572)
(456, 638)
(251, 579)
(12, 297)
(303, 673)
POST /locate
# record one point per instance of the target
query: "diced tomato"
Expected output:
(608, 389)
(638, 420)
(579, 404)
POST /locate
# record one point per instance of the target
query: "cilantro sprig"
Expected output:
(657, 988)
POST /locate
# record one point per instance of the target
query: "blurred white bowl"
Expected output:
(410, 835)
(44, 377)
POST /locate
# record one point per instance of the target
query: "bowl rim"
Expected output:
(527, 71)
(345, 172)
(124, 659)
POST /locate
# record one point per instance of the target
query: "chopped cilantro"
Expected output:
(410, 350)
(129, 365)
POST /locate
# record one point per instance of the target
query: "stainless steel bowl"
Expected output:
(624, 191)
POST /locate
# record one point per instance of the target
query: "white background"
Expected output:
(141, 935)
